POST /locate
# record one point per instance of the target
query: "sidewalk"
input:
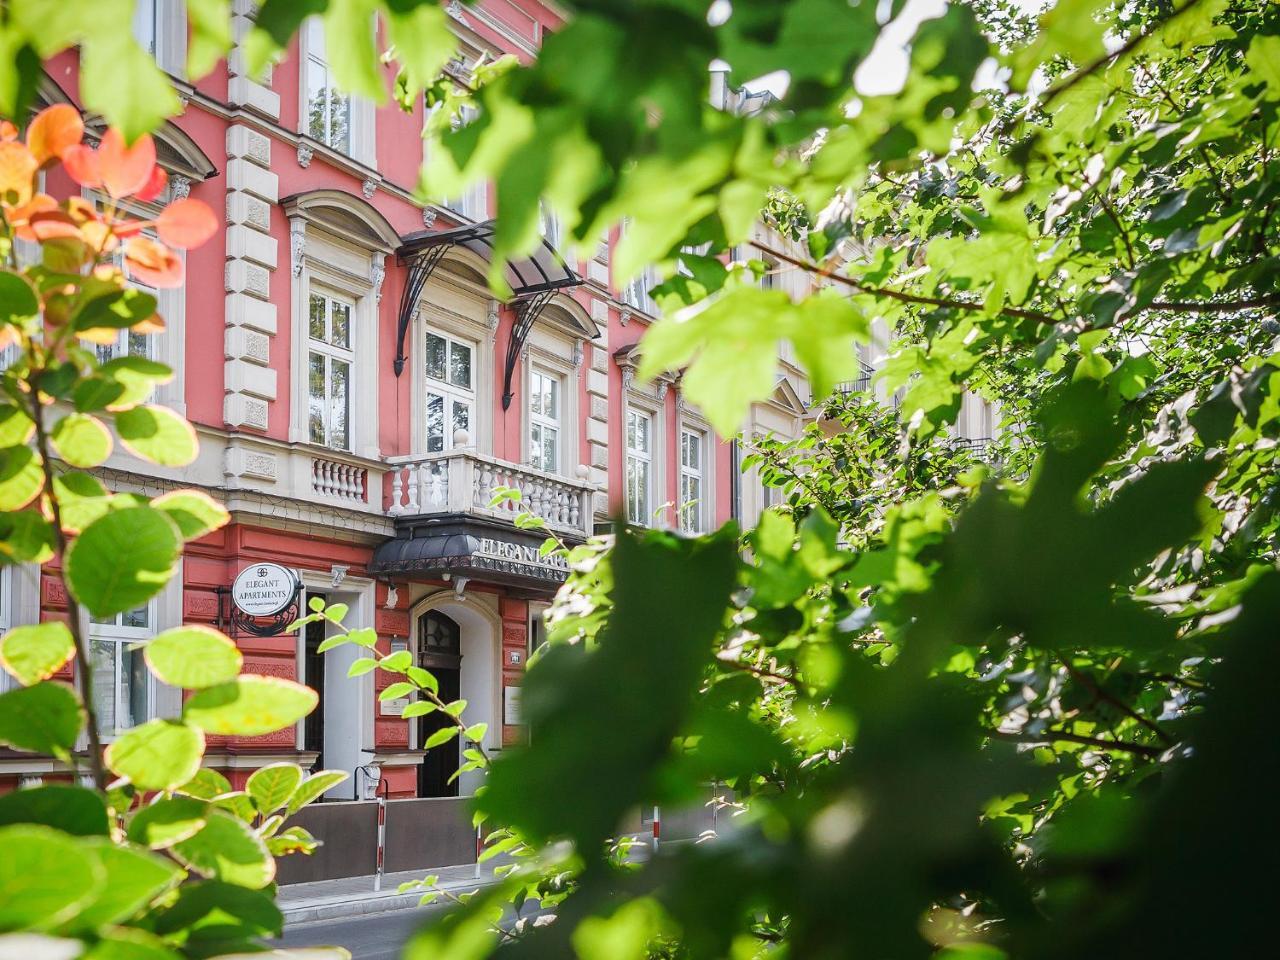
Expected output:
(355, 896)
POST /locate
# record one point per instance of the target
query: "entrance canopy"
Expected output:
(533, 281)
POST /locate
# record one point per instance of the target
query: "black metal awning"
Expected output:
(533, 281)
(482, 549)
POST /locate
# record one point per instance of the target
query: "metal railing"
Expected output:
(978, 446)
(462, 481)
(861, 384)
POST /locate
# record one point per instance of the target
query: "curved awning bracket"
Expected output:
(532, 279)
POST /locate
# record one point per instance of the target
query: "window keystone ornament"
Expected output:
(179, 188)
(305, 153)
(368, 188)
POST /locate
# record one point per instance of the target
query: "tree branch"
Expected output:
(1053, 736)
(1100, 693)
(85, 671)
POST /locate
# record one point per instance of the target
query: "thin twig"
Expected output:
(1052, 736)
(759, 673)
(85, 672)
(1102, 694)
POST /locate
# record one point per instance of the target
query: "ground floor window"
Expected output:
(121, 683)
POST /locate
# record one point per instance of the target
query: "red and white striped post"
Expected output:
(479, 849)
(380, 792)
(657, 827)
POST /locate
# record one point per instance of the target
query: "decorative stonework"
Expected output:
(662, 390)
(369, 188)
(628, 378)
(428, 217)
(297, 244)
(179, 188)
(244, 89)
(377, 273)
(252, 188)
(305, 153)
(454, 9)
(625, 316)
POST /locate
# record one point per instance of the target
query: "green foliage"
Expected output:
(105, 875)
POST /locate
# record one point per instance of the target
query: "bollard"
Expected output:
(382, 837)
(657, 827)
(479, 849)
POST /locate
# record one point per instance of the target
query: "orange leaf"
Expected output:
(99, 236)
(19, 217)
(82, 165)
(8, 131)
(153, 263)
(50, 224)
(17, 173)
(186, 223)
(155, 186)
(153, 324)
(54, 131)
(125, 170)
(128, 228)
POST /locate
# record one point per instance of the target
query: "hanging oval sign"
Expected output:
(263, 589)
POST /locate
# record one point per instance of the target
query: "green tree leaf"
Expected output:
(206, 785)
(250, 706)
(46, 877)
(166, 821)
(21, 477)
(157, 434)
(220, 912)
(36, 652)
(73, 810)
(193, 657)
(123, 559)
(312, 787)
(129, 943)
(45, 718)
(271, 786)
(226, 849)
(16, 426)
(159, 755)
(81, 440)
(134, 878)
(441, 736)
(195, 512)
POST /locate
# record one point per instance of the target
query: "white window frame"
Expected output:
(537, 618)
(343, 270)
(640, 514)
(473, 203)
(361, 118)
(332, 352)
(692, 514)
(123, 638)
(19, 604)
(540, 421)
(160, 27)
(450, 394)
(170, 346)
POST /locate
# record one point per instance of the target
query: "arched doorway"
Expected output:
(457, 641)
(440, 651)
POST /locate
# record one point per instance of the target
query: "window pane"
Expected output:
(535, 394)
(551, 397)
(134, 618)
(134, 682)
(642, 491)
(102, 653)
(339, 121)
(317, 318)
(631, 430)
(340, 314)
(550, 457)
(642, 433)
(315, 397)
(317, 99)
(339, 404)
(437, 349)
(460, 365)
(461, 416)
(435, 423)
(535, 445)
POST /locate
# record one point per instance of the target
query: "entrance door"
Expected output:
(440, 651)
(313, 674)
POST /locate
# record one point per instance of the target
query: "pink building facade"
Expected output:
(359, 406)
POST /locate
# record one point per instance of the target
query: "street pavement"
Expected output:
(377, 936)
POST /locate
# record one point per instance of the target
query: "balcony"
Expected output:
(861, 384)
(463, 483)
